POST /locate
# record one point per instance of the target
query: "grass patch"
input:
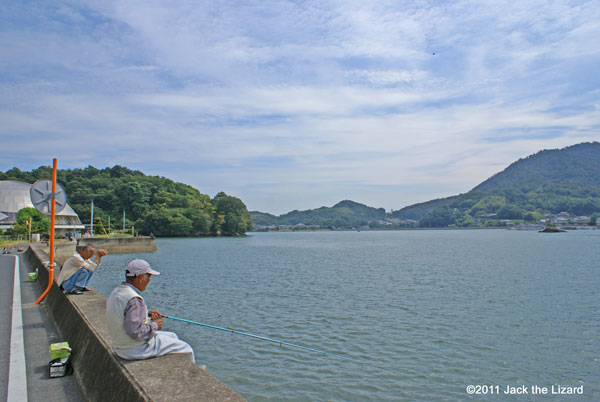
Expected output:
(9, 243)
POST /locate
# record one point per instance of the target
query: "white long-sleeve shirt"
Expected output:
(72, 265)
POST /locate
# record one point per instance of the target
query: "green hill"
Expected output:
(579, 164)
(344, 214)
(262, 218)
(153, 204)
(550, 181)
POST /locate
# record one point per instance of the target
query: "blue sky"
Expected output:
(298, 104)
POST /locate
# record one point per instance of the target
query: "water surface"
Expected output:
(422, 314)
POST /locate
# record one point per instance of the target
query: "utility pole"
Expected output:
(123, 220)
(92, 220)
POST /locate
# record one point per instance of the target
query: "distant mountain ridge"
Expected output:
(344, 214)
(548, 182)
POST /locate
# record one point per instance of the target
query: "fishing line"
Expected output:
(264, 338)
(277, 341)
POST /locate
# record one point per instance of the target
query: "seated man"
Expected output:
(133, 334)
(77, 271)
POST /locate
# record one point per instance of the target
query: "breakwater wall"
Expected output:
(63, 249)
(103, 376)
(115, 245)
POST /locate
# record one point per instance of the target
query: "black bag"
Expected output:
(60, 368)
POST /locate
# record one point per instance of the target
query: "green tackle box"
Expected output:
(60, 350)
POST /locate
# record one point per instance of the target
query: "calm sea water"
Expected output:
(422, 314)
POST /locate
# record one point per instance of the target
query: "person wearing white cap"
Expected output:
(134, 335)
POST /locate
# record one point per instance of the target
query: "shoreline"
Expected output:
(409, 229)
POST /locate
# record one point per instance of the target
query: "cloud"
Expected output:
(294, 105)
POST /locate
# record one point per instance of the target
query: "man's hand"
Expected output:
(155, 315)
(99, 254)
(159, 322)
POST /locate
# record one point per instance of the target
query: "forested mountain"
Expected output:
(550, 181)
(578, 164)
(153, 204)
(344, 214)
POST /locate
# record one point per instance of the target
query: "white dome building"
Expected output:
(14, 196)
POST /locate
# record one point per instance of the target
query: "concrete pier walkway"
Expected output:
(24, 376)
(80, 319)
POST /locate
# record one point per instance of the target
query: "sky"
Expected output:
(298, 104)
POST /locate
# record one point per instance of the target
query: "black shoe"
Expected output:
(86, 289)
(75, 292)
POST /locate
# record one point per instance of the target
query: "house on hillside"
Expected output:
(582, 220)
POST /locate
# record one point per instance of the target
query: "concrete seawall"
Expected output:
(116, 245)
(99, 373)
(63, 249)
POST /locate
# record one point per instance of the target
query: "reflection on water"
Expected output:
(422, 314)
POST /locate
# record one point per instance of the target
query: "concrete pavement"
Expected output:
(38, 334)
(6, 296)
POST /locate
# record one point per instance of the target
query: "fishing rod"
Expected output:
(280, 342)
(264, 338)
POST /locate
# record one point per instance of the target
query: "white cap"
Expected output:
(139, 267)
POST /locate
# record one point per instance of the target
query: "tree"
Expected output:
(156, 221)
(98, 226)
(200, 212)
(39, 222)
(235, 215)
(179, 225)
(439, 217)
(509, 211)
(466, 221)
(154, 204)
(487, 205)
(533, 216)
